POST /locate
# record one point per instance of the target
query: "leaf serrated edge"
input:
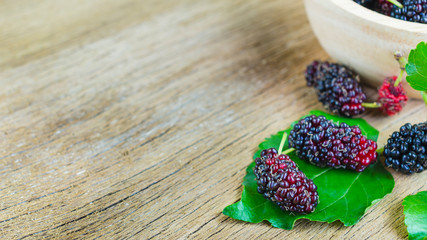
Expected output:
(412, 69)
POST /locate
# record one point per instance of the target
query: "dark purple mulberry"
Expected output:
(413, 11)
(405, 150)
(337, 87)
(325, 144)
(384, 6)
(280, 181)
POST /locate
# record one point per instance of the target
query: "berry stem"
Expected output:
(380, 150)
(371, 105)
(399, 79)
(403, 62)
(424, 94)
(395, 2)
(400, 59)
(289, 150)
(282, 142)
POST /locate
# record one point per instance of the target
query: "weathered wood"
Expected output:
(137, 119)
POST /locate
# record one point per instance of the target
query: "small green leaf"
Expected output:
(343, 194)
(415, 210)
(417, 67)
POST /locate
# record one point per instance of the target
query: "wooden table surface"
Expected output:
(137, 119)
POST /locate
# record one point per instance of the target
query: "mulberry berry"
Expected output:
(337, 87)
(384, 7)
(280, 181)
(325, 144)
(405, 150)
(413, 11)
(365, 3)
(391, 98)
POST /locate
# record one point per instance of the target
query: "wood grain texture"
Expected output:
(136, 119)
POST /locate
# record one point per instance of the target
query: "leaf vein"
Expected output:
(366, 194)
(382, 185)
(321, 173)
(348, 189)
(346, 208)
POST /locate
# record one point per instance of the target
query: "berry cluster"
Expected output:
(325, 144)
(406, 150)
(411, 10)
(337, 87)
(280, 181)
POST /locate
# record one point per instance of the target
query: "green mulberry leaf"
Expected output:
(344, 195)
(415, 210)
(417, 67)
